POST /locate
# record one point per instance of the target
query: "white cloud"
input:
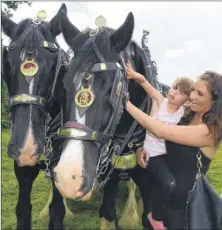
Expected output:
(173, 53)
(193, 46)
(220, 67)
(189, 47)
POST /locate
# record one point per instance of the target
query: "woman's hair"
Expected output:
(213, 117)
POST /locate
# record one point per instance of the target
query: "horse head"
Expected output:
(29, 68)
(96, 87)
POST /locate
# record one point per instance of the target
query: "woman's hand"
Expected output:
(141, 157)
(131, 74)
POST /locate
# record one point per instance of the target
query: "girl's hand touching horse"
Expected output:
(131, 74)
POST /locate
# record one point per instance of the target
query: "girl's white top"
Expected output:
(153, 145)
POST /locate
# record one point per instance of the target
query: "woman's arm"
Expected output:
(195, 135)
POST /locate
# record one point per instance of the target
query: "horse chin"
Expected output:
(87, 196)
(26, 156)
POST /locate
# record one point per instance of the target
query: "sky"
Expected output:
(185, 37)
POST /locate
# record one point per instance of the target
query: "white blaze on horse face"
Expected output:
(29, 148)
(70, 167)
(74, 149)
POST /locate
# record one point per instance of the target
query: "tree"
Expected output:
(9, 6)
(7, 9)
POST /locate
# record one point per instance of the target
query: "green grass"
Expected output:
(85, 213)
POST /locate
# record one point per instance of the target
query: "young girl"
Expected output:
(168, 110)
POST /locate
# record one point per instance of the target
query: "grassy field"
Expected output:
(85, 214)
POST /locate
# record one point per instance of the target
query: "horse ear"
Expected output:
(8, 25)
(54, 23)
(69, 31)
(121, 37)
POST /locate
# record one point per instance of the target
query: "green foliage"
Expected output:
(86, 214)
(9, 6)
(4, 105)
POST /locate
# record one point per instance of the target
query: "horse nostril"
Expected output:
(73, 177)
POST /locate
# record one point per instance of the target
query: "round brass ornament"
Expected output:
(100, 21)
(41, 15)
(29, 68)
(84, 97)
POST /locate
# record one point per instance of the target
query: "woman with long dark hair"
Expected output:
(199, 133)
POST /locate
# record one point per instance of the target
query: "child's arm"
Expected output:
(150, 90)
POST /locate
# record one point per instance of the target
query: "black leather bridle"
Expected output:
(31, 99)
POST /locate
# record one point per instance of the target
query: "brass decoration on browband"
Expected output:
(45, 44)
(102, 66)
(71, 132)
(22, 98)
(84, 97)
(100, 21)
(29, 68)
(94, 135)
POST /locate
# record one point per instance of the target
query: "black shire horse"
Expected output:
(32, 66)
(96, 90)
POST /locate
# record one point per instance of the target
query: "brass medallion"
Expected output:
(100, 21)
(41, 15)
(84, 97)
(29, 68)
